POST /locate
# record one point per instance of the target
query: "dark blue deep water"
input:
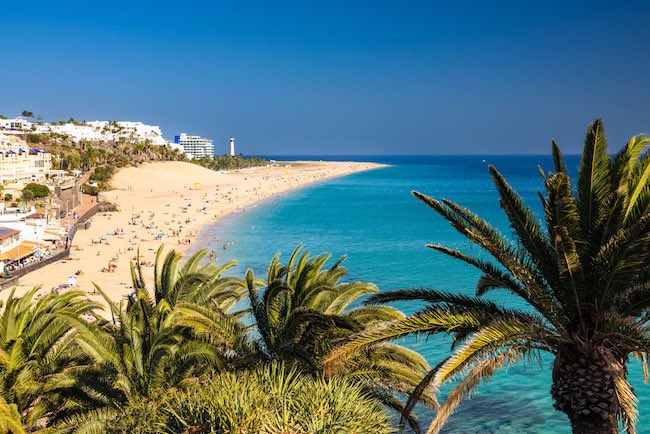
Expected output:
(373, 219)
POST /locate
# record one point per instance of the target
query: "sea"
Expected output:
(373, 219)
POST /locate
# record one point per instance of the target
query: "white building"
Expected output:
(20, 163)
(26, 238)
(89, 131)
(107, 131)
(195, 146)
(16, 124)
(232, 146)
(133, 130)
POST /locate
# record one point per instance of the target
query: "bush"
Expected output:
(93, 191)
(226, 162)
(34, 138)
(34, 191)
(103, 173)
(8, 196)
(267, 400)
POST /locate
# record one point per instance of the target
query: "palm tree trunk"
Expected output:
(593, 425)
(583, 389)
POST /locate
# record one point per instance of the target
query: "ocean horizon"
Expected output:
(395, 158)
(372, 218)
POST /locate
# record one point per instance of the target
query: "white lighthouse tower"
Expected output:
(232, 146)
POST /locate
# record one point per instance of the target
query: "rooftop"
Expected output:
(7, 232)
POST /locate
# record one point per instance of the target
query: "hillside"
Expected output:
(70, 155)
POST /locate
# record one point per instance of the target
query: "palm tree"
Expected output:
(203, 299)
(88, 158)
(38, 357)
(149, 343)
(10, 419)
(194, 283)
(584, 273)
(304, 310)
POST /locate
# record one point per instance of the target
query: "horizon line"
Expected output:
(406, 155)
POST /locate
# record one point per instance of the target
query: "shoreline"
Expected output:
(261, 202)
(173, 202)
(196, 229)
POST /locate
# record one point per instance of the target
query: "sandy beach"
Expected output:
(167, 203)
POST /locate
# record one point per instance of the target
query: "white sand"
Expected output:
(164, 196)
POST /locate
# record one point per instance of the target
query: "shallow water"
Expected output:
(373, 219)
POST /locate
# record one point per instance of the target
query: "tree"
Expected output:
(149, 344)
(584, 273)
(27, 114)
(38, 357)
(89, 157)
(35, 191)
(304, 309)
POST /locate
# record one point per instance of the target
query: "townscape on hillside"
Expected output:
(51, 173)
(106, 131)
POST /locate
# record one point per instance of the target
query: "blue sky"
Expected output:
(337, 77)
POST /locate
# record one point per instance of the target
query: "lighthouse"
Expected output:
(232, 146)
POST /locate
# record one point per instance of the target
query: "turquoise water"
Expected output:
(372, 218)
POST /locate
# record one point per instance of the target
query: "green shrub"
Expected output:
(34, 191)
(93, 191)
(103, 173)
(34, 138)
(267, 400)
(227, 162)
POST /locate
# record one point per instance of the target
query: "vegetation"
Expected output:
(583, 272)
(70, 155)
(304, 309)
(269, 399)
(34, 138)
(227, 162)
(150, 345)
(195, 351)
(35, 191)
(101, 175)
(38, 357)
(178, 354)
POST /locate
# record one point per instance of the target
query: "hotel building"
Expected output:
(195, 146)
(18, 162)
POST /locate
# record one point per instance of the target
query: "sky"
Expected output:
(337, 77)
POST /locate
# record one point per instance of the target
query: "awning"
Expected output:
(52, 236)
(19, 252)
(35, 243)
